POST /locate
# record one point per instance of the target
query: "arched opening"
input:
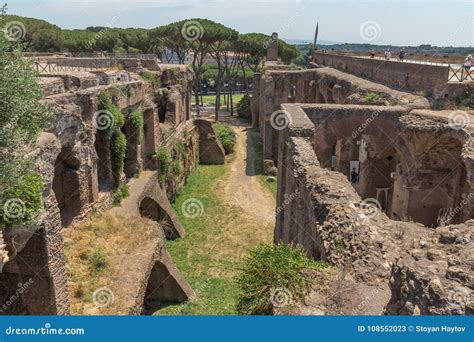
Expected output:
(162, 290)
(151, 209)
(66, 185)
(162, 109)
(26, 284)
(104, 166)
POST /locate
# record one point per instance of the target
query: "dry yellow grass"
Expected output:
(100, 253)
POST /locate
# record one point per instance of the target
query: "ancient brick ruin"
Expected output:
(74, 159)
(371, 179)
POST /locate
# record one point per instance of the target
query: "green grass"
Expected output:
(211, 99)
(217, 294)
(258, 163)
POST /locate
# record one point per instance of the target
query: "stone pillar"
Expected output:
(266, 110)
(272, 50)
(256, 100)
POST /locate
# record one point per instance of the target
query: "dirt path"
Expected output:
(242, 188)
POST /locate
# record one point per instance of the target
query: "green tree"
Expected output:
(36, 34)
(22, 118)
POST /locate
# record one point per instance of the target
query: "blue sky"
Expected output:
(399, 22)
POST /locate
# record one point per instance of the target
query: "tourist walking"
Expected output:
(467, 63)
(401, 55)
(388, 55)
(372, 53)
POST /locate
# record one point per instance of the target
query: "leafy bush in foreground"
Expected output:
(273, 273)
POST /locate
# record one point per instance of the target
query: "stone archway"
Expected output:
(66, 185)
(163, 289)
(154, 205)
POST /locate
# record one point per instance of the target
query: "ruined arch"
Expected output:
(66, 185)
(153, 203)
(163, 288)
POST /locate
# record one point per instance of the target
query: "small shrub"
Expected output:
(130, 92)
(118, 148)
(97, 259)
(270, 267)
(103, 101)
(176, 168)
(120, 193)
(180, 148)
(164, 159)
(339, 245)
(226, 135)
(371, 98)
(136, 120)
(244, 107)
(152, 78)
(22, 200)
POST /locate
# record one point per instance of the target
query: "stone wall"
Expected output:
(273, 88)
(409, 76)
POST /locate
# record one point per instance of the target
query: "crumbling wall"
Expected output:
(321, 210)
(323, 85)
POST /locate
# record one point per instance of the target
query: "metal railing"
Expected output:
(115, 55)
(460, 74)
(71, 64)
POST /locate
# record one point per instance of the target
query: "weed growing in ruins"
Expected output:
(339, 245)
(371, 98)
(22, 201)
(271, 269)
(176, 168)
(226, 135)
(130, 92)
(164, 160)
(97, 259)
(118, 147)
(120, 193)
(152, 78)
(136, 120)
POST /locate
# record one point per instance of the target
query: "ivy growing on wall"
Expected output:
(118, 148)
(136, 120)
(117, 140)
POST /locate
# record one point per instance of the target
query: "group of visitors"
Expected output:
(388, 55)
